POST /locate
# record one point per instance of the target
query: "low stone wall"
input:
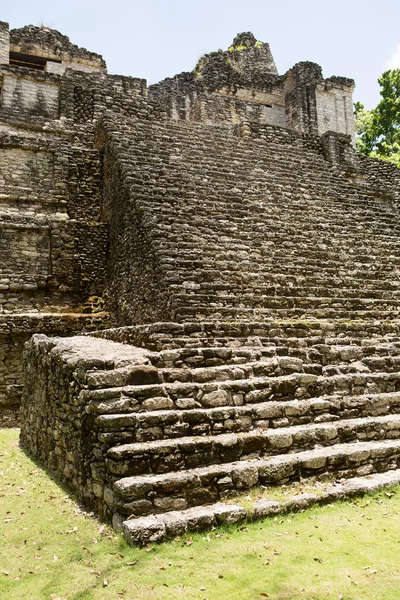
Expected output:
(57, 429)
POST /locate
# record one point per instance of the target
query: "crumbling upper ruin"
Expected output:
(242, 83)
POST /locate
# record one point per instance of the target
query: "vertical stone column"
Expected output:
(4, 43)
(300, 97)
(335, 106)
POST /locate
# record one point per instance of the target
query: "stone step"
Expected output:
(388, 364)
(284, 345)
(164, 456)
(321, 211)
(365, 333)
(158, 528)
(130, 401)
(368, 280)
(283, 234)
(278, 262)
(323, 354)
(242, 289)
(257, 300)
(171, 424)
(267, 295)
(265, 367)
(324, 211)
(211, 356)
(284, 228)
(207, 312)
(146, 374)
(283, 302)
(285, 243)
(152, 494)
(285, 249)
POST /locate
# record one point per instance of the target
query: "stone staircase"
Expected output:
(206, 411)
(270, 279)
(235, 235)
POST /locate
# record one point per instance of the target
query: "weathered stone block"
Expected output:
(145, 530)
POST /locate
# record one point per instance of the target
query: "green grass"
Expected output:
(50, 549)
(282, 493)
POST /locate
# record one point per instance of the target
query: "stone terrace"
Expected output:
(186, 415)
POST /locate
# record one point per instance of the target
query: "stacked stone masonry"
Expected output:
(246, 256)
(53, 231)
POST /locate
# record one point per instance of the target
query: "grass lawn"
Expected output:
(50, 549)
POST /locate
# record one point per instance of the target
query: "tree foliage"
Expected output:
(379, 129)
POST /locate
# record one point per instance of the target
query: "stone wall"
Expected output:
(32, 96)
(52, 45)
(4, 43)
(27, 168)
(54, 234)
(135, 288)
(227, 87)
(218, 108)
(316, 105)
(335, 107)
(52, 237)
(68, 443)
(242, 83)
(382, 174)
(50, 219)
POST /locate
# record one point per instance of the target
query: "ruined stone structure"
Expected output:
(245, 255)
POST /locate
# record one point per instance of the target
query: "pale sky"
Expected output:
(155, 39)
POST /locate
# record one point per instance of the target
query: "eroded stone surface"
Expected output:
(246, 255)
(177, 523)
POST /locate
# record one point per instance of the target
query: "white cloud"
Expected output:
(394, 62)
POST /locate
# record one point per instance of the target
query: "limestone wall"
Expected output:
(335, 108)
(219, 108)
(53, 245)
(4, 43)
(243, 84)
(27, 168)
(135, 288)
(23, 93)
(25, 250)
(53, 235)
(382, 174)
(50, 222)
(51, 44)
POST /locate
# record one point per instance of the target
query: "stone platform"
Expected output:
(195, 413)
